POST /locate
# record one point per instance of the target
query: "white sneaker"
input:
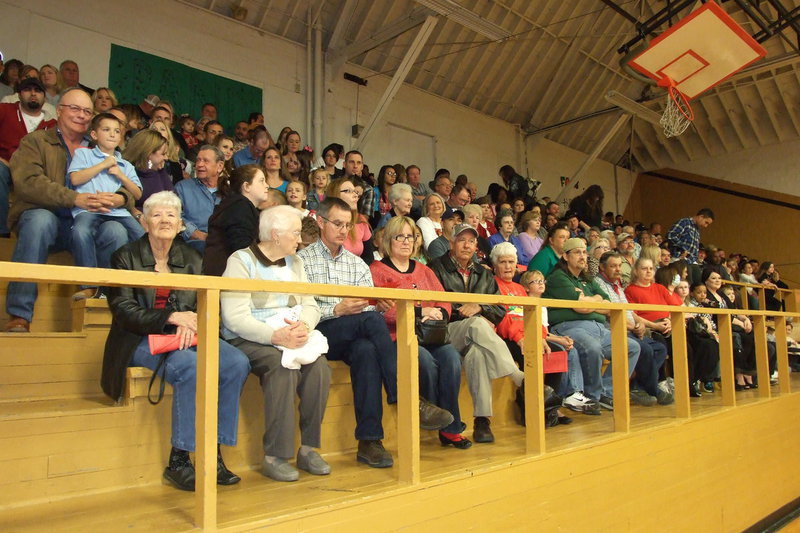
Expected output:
(581, 404)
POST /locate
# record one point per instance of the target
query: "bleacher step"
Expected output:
(58, 408)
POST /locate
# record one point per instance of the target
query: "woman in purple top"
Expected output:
(147, 152)
(529, 238)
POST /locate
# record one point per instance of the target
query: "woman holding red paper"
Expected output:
(141, 311)
(512, 330)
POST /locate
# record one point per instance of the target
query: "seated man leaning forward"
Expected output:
(586, 327)
(41, 212)
(357, 334)
(486, 356)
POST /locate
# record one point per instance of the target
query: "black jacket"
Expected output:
(132, 311)
(232, 226)
(481, 281)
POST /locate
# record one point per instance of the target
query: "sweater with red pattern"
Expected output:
(418, 276)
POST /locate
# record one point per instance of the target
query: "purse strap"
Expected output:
(162, 368)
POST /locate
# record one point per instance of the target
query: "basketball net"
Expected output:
(678, 113)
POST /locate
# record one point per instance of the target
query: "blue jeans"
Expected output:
(5, 189)
(40, 232)
(651, 358)
(96, 236)
(440, 380)
(573, 378)
(362, 341)
(182, 375)
(592, 340)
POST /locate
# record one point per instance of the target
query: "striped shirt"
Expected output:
(344, 269)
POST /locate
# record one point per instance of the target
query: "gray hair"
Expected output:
(399, 190)
(599, 242)
(162, 199)
(472, 209)
(276, 218)
(501, 250)
(217, 151)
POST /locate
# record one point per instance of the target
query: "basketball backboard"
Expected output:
(702, 50)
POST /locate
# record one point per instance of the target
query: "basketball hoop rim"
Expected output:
(678, 97)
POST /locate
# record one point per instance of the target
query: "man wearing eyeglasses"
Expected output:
(16, 121)
(357, 334)
(41, 212)
(472, 326)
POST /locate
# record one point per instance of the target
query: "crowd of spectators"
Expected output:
(133, 186)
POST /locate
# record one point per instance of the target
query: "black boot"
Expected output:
(225, 476)
(180, 471)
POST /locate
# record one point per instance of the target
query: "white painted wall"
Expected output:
(48, 31)
(775, 167)
(548, 161)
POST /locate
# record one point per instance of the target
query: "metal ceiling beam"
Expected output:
(558, 75)
(337, 37)
(338, 57)
(564, 40)
(397, 80)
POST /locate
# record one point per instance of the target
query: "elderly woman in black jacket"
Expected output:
(141, 311)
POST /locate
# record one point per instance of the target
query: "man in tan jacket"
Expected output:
(40, 215)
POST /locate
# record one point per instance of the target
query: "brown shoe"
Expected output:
(372, 453)
(18, 325)
(85, 294)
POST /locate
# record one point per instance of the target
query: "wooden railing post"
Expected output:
(407, 394)
(743, 297)
(784, 379)
(205, 457)
(533, 348)
(762, 298)
(762, 356)
(620, 372)
(725, 331)
(680, 364)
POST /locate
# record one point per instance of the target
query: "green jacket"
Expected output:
(544, 261)
(562, 285)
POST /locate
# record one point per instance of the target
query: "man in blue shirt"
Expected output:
(253, 153)
(199, 195)
(684, 235)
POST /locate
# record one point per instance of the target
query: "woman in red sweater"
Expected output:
(644, 290)
(440, 366)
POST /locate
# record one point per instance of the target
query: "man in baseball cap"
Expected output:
(471, 328)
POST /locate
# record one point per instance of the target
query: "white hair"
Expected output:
(162, 199)
(398, 190)
(501, 250)
(277, 218)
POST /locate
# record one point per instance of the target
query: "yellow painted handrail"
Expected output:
(208, 289)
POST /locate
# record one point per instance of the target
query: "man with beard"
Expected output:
(16, 121)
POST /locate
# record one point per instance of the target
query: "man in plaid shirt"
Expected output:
(684, 235)
(357, 334)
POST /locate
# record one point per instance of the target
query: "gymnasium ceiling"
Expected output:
(551, 73)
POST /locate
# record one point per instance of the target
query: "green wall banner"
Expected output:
(132, 75)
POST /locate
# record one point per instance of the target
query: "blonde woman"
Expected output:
(53, 84)
(104, 99)
(173, 164)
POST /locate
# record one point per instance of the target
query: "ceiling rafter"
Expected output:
(747, 115)
(771, 114)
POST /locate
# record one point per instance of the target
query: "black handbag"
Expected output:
(696, 326)
(431, 332)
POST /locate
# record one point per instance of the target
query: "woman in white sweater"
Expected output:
(276, 332)
(431, 224)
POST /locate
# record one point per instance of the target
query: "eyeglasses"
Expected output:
(350, 191)
(391, 173)
(537, 282)
(78, 109)
(405, 238)
(338, 224)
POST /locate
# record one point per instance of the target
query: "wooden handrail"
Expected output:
(208, 290)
